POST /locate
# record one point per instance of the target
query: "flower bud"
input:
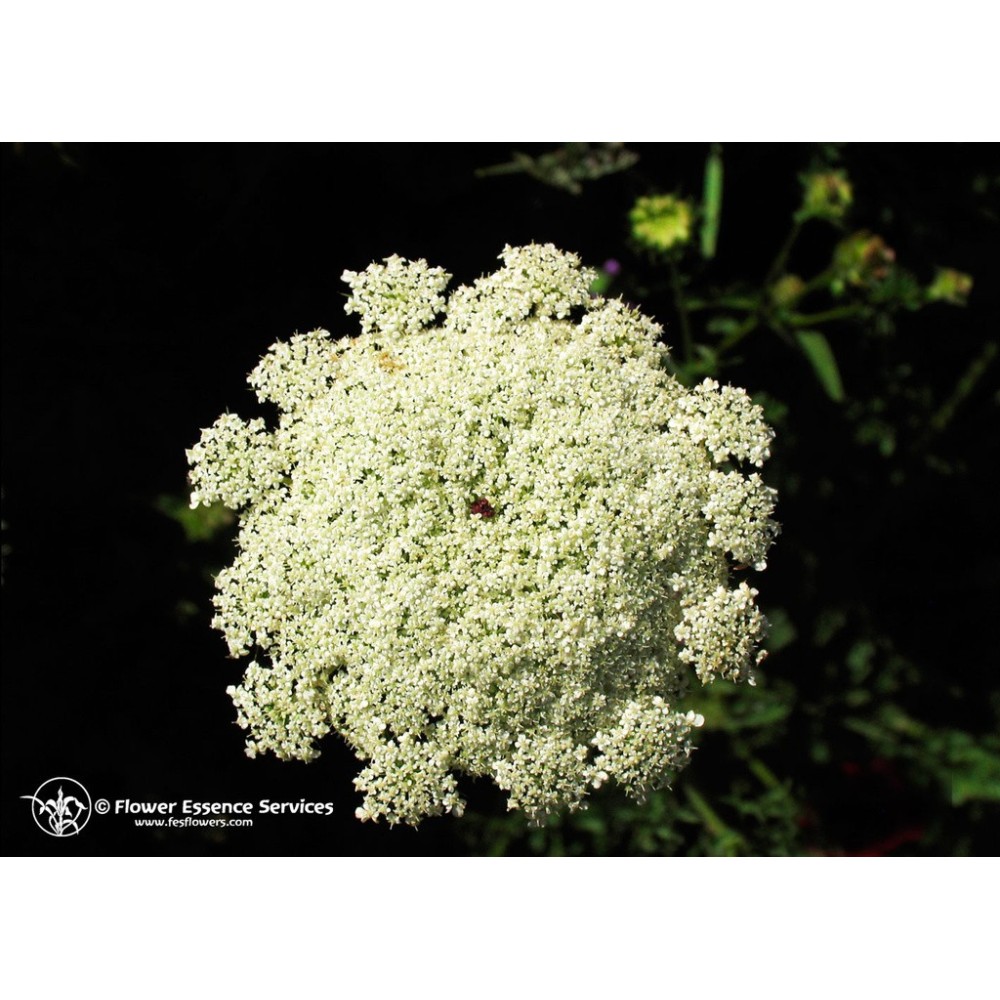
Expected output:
(950, 286)
(787, 291)
(661, 222)
(862, 259)
(825, 195)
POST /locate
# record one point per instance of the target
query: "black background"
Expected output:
(141, 283)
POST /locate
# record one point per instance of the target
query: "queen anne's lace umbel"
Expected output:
(489, 536)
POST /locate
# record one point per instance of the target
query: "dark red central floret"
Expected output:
(483, 508)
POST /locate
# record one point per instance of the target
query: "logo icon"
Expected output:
(60, 807)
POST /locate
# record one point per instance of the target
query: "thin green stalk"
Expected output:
(745, 303)
(820, 281)
(965, 385)
(710, 818)
(499, 169)
(746, 327)
(778, 264)
(763, 773)
(828, 316)
(682, 312)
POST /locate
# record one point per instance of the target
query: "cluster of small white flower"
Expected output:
(489, 544)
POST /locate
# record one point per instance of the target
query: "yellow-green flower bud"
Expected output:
(950, 286)
(825, 195)
(862, 259)
(786, 291)
(661, 222)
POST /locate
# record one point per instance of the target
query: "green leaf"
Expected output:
(782, 631)
(711, 205)
(723, 326)
(817, 350)
(601, 283)
(974, 771)
(201, 524)
(569, 165)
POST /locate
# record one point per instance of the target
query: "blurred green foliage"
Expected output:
(199, 524)
(569, 166)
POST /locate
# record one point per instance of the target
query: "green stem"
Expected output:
(970, 377)
(747, 326)
(820, 281)
(778, 264)
(710, 818)
(742, 302)
(763, 773)
(682, 312)
(499, 169)
(813, 319)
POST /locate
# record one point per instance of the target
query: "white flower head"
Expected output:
(490, 536)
